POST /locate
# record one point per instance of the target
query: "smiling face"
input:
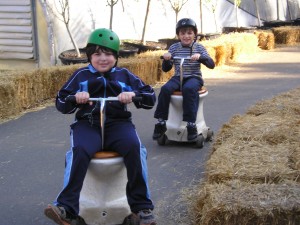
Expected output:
(186, 35)
(103, 60)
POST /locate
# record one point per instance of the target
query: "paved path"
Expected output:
(32, 147)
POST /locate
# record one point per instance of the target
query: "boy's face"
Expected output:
(103, 60)
(186, 35)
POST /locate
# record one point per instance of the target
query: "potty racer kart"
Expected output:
(176, 128)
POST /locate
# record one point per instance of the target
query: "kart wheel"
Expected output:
(210, 135)
(200, 141)
(162, 140)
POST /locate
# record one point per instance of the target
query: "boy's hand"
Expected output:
(82, 97)
(195, 57)
(126, 97)
(167, 56)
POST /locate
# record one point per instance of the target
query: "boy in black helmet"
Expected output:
(186, 30)
(102, 78)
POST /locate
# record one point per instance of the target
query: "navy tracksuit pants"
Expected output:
(190, 96)
(120, 136)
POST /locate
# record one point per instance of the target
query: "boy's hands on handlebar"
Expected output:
(126, 97)
(167, 56)
(82, 98)
(195, 57)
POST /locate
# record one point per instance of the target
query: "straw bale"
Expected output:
(155, 55)
(27, 89)
(251, 161)
(273, 129)
(266, 40)
(289, 35)
(252, 175)
(230, 47)
(235, 202)
(220, 55)
(8, 100)
(285, 103)
(143, 67)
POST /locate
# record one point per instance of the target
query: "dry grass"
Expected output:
(253, 173)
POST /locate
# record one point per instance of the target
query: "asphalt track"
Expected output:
(32, 147)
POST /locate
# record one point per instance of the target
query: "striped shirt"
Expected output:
(190, 68)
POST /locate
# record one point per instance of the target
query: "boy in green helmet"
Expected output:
(102, 78)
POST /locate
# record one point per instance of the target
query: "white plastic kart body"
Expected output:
(176, 128)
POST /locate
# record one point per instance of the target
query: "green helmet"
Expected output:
(105, 38)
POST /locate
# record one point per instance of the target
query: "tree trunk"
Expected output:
(145, 23)
(73, 42)
(111, 14)
(201, 21)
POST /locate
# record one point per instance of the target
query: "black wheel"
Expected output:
(162, 140)
(210, 135)
(200, 141)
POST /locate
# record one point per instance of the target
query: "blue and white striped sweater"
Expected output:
(190, 68)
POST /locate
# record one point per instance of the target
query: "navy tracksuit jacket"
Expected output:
(120, 134)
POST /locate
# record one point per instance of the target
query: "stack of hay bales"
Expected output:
(228, 48)
(252, 176)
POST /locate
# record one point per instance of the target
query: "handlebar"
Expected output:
(181, 66)
(72, 98)
(177, 57)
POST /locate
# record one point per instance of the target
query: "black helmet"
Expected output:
(186, 22)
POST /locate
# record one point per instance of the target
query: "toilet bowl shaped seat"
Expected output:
(103, 196)
(176, 128)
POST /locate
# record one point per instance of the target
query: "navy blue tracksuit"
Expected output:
(120, 134)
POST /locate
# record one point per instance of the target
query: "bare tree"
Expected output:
(145, 23)
(111, 4)
(62, 12)
(177, 6)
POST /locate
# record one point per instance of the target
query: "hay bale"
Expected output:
(229, 48)
(8, 100)
(252, 175)
(144, 68)
(260, 145)
(220, 55)
(235, 203)
(251, 161)
(266, 40)
(289, 35)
